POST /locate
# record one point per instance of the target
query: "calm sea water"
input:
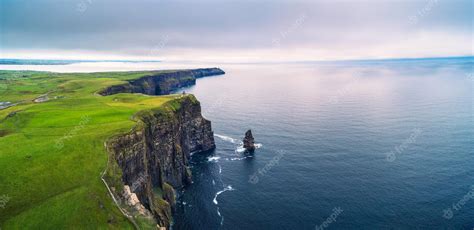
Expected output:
(375, 145)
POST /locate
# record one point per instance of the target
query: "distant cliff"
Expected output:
(162, 83)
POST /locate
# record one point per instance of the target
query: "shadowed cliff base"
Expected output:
(147, 164)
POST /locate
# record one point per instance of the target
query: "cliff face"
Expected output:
(162, 83)
(153, 158)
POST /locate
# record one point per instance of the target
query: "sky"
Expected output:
(242, 31)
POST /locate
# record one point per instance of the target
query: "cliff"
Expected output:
(151, 161)
(161, 83)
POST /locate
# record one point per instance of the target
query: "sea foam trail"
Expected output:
(213, 159)
(239, 158)
(240, 148)
(228, 188)
(228, 139)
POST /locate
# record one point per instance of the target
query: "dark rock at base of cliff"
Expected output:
(249, 142)
(153, 159)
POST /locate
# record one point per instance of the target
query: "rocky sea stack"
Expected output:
(249, 142)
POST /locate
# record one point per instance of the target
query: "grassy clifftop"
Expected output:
(52, 151)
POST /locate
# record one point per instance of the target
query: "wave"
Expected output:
(241, 149)
(228, 188)
(213, 159)
(240, 145)
(228, 139)
(239, 158)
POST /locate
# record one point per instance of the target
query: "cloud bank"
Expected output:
(235, 30)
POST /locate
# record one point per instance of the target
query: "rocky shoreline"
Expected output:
(149, 163)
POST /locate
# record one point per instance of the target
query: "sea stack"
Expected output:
(249, 142)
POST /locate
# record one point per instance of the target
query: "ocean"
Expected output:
(344, 145)
(341, 145)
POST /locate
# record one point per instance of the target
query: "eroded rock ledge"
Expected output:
(162, 83)
(152, 160)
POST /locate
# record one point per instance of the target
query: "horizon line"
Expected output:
(231, 62)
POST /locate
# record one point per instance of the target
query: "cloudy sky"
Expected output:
(235, 30)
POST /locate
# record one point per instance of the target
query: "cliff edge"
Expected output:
(150, 162)
(162, 82)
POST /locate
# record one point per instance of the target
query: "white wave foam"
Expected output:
(241, 149)
(213, 159)
(240, 158)
(228, 139)
(228, 188)
(240, 145)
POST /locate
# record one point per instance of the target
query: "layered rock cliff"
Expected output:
(162, 83)
(151, 161)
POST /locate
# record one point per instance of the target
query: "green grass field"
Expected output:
(52, 153)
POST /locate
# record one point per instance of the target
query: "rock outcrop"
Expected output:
(249, 142)
(162, 82)
(151, 161)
